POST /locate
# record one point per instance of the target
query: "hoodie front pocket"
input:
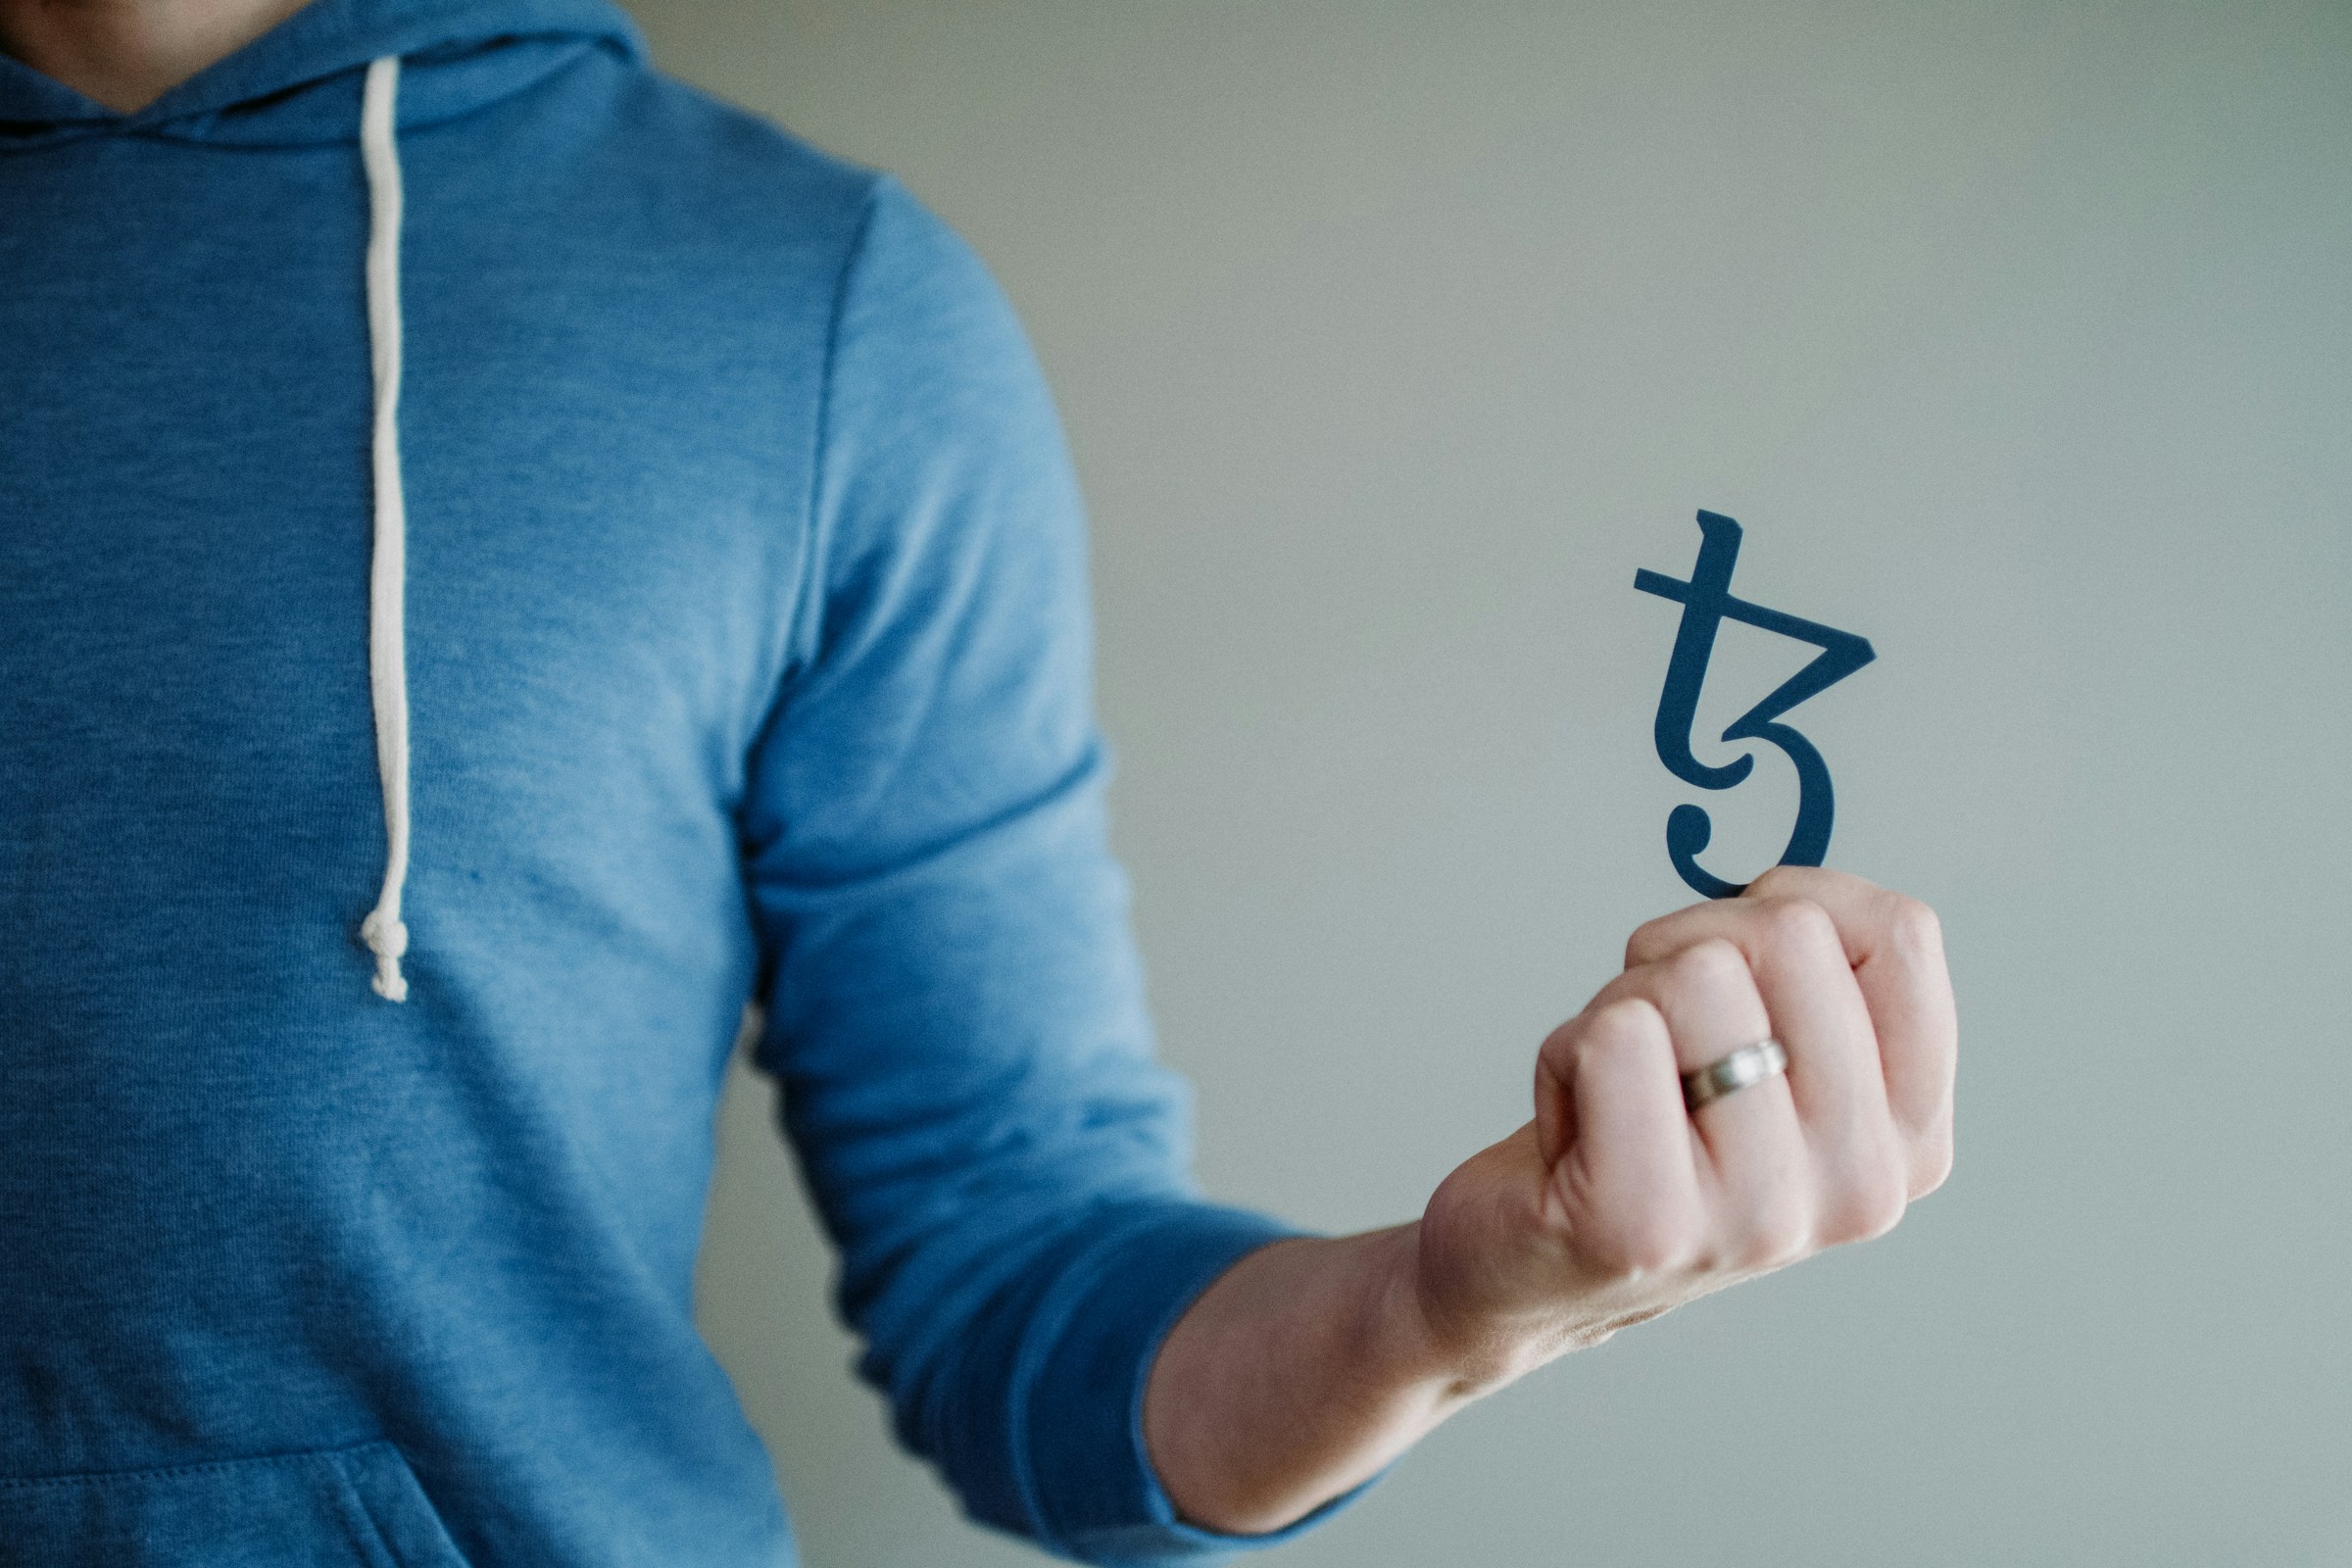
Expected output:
(356, 1508)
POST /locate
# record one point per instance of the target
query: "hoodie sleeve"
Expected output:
(954, 1007)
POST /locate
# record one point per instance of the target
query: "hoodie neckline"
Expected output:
(261, 94)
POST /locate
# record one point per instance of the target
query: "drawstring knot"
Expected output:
(388, 939)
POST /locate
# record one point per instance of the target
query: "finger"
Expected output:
(1754, 1166)
(1628, 1173)
(1819, 1014)
(1894, 946)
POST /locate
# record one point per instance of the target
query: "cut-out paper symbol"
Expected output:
(1707, 603)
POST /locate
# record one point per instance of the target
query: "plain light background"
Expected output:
(1392, 339)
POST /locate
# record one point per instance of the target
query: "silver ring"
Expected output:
(1749, 1065)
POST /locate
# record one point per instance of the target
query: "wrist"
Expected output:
(1425, 1351)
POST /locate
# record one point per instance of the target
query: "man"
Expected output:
(502, 559)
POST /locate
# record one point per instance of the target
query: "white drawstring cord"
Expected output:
(388, 643)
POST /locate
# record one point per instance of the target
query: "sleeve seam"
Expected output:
(805, 635)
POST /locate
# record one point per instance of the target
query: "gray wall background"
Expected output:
(1392, 339)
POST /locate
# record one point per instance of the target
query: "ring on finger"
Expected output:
(1728, 1075)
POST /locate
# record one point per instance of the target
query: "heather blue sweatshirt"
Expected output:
(741, 639)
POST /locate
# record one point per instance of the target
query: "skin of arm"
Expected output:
(1312, 1363)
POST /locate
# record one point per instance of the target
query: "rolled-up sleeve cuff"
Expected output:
(1091, 1485)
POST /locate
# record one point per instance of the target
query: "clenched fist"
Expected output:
(1311, 1364)
(1615, 1203)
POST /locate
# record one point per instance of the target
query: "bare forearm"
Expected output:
(1296, 1376)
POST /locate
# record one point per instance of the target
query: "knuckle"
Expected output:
(1776, 1235)
(1643, 1246)
(1624, 1027)
(1653, 1253)
(1805, 882)
(1777, 1245)
(1914, 926)
(1873, 1208)
(1561, 1046)
(1886, 1208)
(1712, 966)
(1648, 940)
(1800, 925)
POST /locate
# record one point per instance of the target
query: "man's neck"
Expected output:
(128, 53)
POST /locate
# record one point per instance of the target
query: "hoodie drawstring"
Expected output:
(387, 644)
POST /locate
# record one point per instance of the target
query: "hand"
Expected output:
(1615, 1204)
(1311, 1364)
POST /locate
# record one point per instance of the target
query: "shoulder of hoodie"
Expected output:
(905, 286)
(754, 181)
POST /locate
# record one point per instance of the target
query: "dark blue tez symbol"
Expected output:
(1707, 602)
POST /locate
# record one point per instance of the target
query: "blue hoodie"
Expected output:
(671, 596)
